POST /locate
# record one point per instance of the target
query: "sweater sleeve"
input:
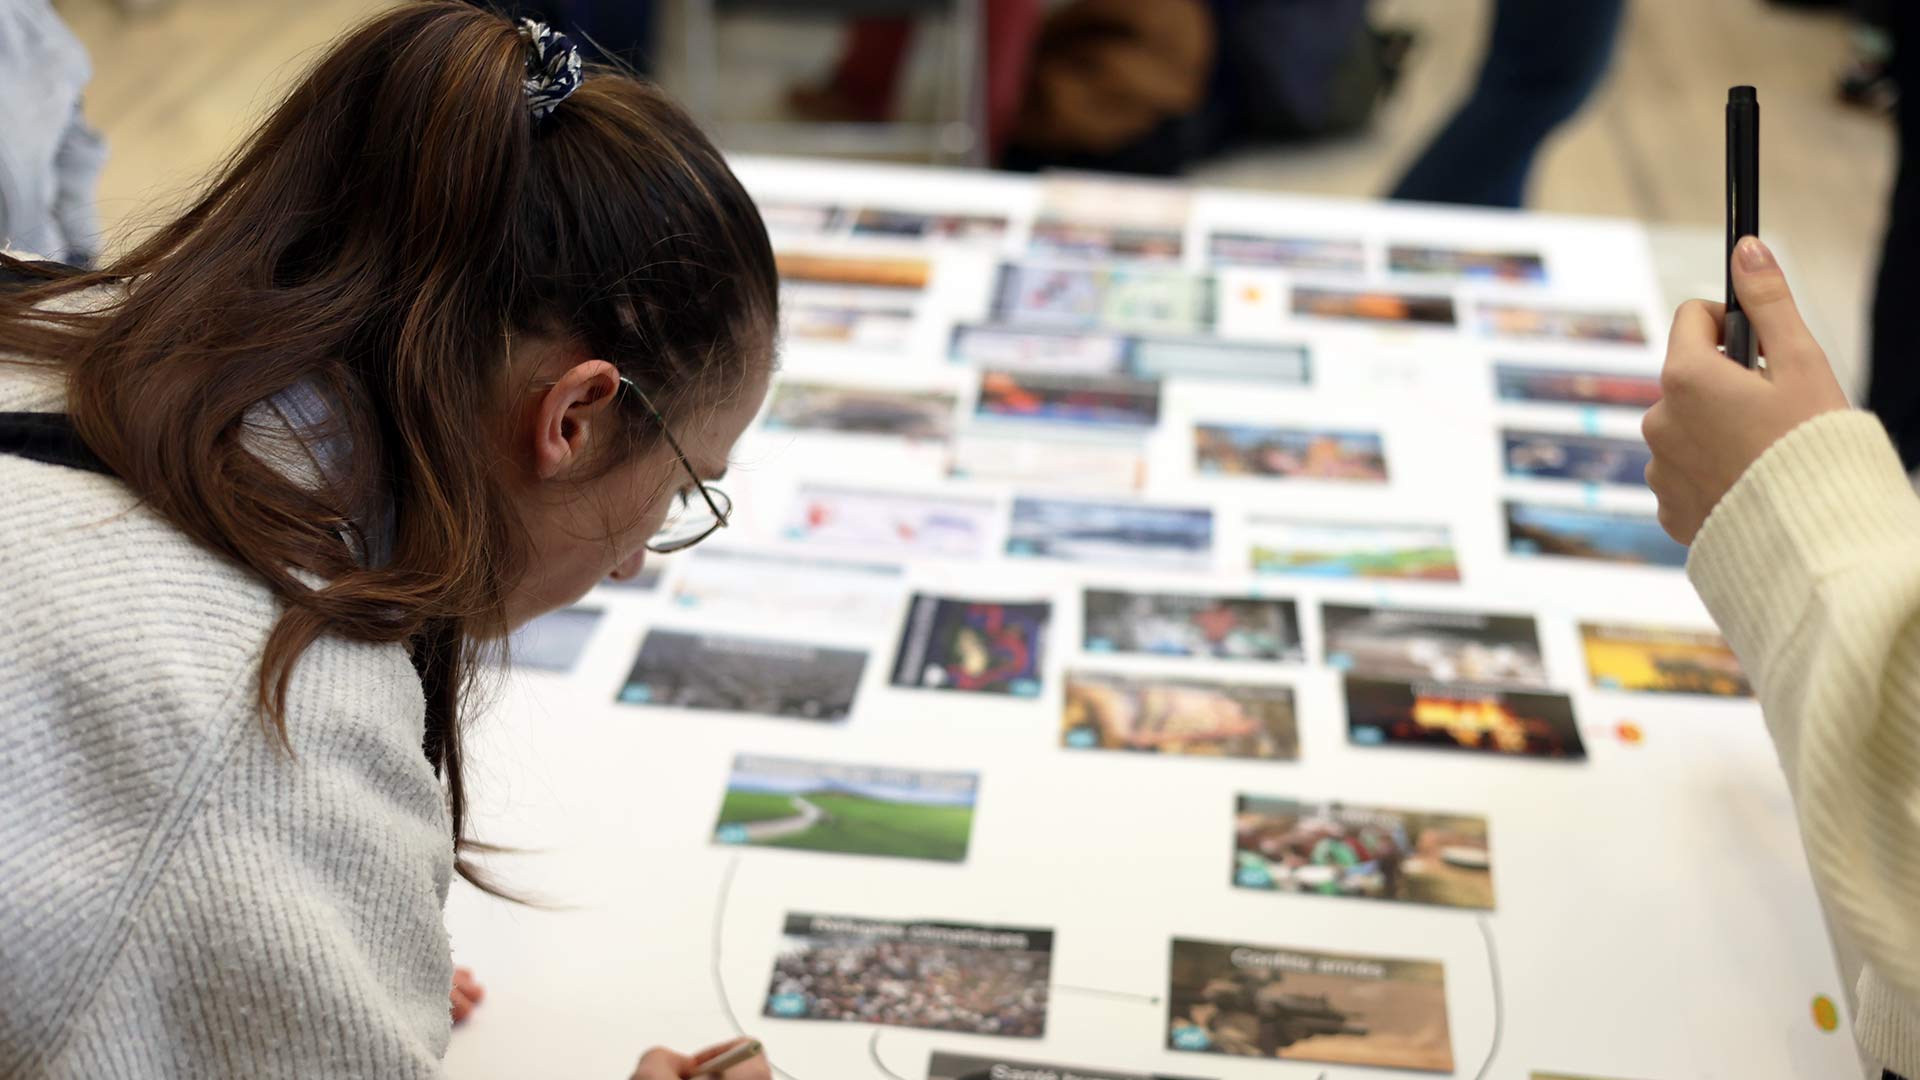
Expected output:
(295, 929)
(1811, 565)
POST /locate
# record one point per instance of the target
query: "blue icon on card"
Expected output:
(1340, 661)
(1253, 877)
(1368, 735)
(796, 532)
(686, 599)
(1608, 682)
(1525, 547)
(1191, 1038)
(731, 834)
(1021, 547)
(1590, 420)
(1082, 739)
(1099, 644)
(787, 1004)
(1024, 687)
(637, 695)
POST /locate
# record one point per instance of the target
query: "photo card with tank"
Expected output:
(976, 646)
(847, 809)
(1191, 624)
(728, 673)
(1265, 1001)
(1323, 848)
(1442, 645)
(1462, 717)
(1185, 716)
(941, 976)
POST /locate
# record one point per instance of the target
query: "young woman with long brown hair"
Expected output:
(459, 331)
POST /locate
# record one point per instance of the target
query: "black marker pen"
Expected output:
(1743, 209)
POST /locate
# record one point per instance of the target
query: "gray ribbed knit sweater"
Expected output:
(178, 896)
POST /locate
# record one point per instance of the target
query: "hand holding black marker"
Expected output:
(1743, 212)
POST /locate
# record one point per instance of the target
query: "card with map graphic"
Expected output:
(981, 980)
(1662, 660)
(1191, 717)
(947, 1066)
(1191, 624)
(1269, 1001)
(1447, 646)
(1095, 297)
(1342, 849)
(847, 809)
(983, 647)
(1457, 716)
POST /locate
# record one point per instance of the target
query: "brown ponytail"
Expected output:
(378, 237)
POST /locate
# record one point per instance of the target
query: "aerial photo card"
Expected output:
(860, 410)
(1456, 716)
(1445, 646)
(740, 674)
(1662, 660)
(1560, 324)
(1049, 460)
(1289, 453)
(1191, 624)
(980, 646)
(1193, 717)
(1573, 532)
(1341, 849)
(1376, 551)
(1511, 267)
(1584, 459)
(1122, 533)
(918, 225)
(1299, 1005)
(738, 583)
(981, 980)
(847, 809)
(896, 523)
(1344, 256)
(1096, 402)
(554, 641)
(1562, 386)
(945, 1066)
(1104, 297)
(1373, 305)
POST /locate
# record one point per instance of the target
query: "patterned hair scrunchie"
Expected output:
(553, 67)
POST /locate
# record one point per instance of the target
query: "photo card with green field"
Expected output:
(848, 809)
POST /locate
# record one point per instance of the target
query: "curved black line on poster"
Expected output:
(719, 981)
(1499, 998)
(873, 1051)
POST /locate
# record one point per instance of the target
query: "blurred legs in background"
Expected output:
(867, 75)
(1545, 58)
(1893, 388)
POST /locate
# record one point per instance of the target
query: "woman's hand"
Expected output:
(663, 1064)
(1715, 417)
(466, 995)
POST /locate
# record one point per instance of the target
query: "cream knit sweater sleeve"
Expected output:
(1811, 565)
(178, 896)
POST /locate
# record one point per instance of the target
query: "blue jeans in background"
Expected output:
(1545, 58)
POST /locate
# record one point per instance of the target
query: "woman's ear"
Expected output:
(570, 414)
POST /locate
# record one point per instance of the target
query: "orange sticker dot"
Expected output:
(1252, 294)
(1825, 1016)
(1630, 733)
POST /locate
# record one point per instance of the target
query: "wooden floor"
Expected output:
(177, 85)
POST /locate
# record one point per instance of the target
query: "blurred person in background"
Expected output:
(49, 158)
(1544, 59)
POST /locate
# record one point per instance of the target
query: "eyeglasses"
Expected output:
(687, 522)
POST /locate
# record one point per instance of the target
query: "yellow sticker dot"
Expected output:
(1825, 1016)
(1252, 294)
(1629, 733)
